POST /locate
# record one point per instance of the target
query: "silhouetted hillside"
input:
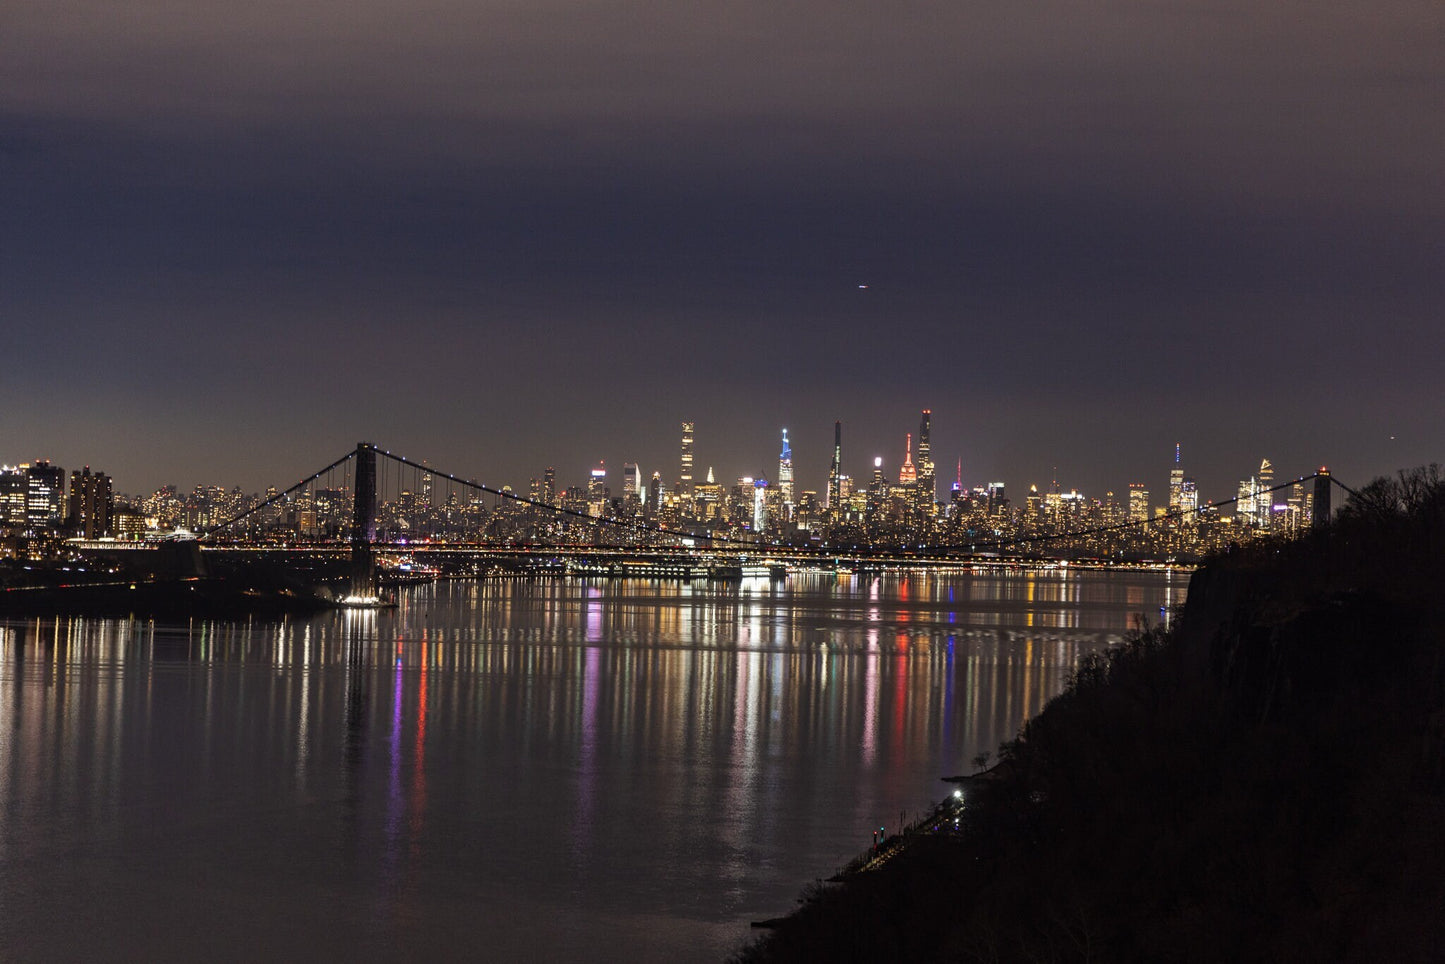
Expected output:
(1263, 782)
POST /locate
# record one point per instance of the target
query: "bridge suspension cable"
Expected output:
(272, 500)
(630, 524)
(757, 542)
(1340, 484)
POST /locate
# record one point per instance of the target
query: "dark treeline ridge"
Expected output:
(1265, 781)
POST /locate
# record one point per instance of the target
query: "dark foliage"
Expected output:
(1265, 781)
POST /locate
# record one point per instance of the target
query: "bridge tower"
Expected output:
(363, 523)
(1321, 505)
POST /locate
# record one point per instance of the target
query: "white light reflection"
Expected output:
(870, 697)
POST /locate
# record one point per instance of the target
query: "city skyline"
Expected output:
(500, 237)
(414, 503)
(630, 476)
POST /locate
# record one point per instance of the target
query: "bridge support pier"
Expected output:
(363, 523)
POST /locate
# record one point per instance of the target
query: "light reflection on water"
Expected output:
(629, 769)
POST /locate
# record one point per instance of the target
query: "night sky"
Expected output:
(235, 239)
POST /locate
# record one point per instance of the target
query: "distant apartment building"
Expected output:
(91, 504)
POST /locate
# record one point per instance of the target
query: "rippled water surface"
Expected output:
(550, 769)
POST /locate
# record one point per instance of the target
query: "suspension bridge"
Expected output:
(372, 505)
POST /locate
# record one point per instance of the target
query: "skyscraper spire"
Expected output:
(835, 474)
(926, 472)
(1176, 485)
(908, 474)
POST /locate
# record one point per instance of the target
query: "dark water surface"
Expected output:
(540, 770)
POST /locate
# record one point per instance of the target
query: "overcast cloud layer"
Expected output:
(238, 238)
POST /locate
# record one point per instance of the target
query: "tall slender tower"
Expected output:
(835, 474)
(1176, 484)
(909, 473)
(684, 475)
(785, 471)
(927, 487)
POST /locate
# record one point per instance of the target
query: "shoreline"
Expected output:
(1261, 780)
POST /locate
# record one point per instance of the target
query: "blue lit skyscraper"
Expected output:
(785, 471)
(1176, 484)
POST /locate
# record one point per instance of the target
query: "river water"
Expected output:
(506, 770)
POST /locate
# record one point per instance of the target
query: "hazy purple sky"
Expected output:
(235, 239)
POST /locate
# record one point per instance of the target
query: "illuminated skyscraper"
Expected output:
(785, 471)
(13, 486)
(835, 474)
(1298, 511)
(997, 498)
(597, 490)
(760, 504)
(1176, 483)
(708, 497)
(684, 475)
(1138, 502)
(908, 474)
(632, 480)
(549, 486)
(1188, 499)
(1263, 497)
(1244, 501)
(1255, 502)
(44, 494)
(927, 487)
